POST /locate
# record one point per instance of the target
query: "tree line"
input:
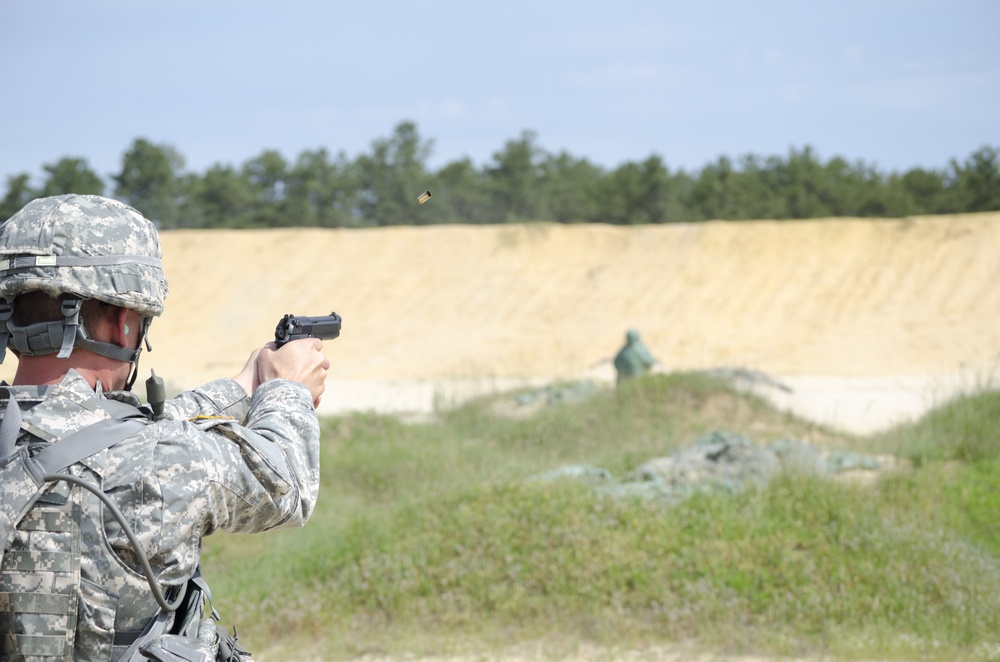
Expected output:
(521, 183)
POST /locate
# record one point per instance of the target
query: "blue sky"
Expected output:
(894, 84)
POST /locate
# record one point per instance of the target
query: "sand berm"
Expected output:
(896, 312)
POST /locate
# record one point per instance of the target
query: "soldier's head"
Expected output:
(67, 260)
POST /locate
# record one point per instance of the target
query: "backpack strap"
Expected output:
(80, 445)
(10, 427)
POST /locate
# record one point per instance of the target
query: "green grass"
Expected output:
(964, 429)
(429, 539)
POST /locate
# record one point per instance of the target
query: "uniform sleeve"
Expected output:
(222, 397)
(265, 472)
(179, 480)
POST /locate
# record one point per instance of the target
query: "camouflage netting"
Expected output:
(717, 462)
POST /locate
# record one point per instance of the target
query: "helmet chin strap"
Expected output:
(63, 336)
(135, 370)
(143, 338)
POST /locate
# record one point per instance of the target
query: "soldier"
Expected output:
(80, 281)
(634, 359)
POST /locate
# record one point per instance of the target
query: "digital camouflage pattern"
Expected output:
(218, 460)
(88, 245)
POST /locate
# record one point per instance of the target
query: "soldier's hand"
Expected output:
(300, 360)
(247, 377)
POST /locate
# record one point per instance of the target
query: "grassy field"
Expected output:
(429, 539)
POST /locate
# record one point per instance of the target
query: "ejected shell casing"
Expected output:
(424, 197)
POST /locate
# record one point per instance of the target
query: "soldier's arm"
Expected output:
(222, 397)
(264, 474)
(279, 443)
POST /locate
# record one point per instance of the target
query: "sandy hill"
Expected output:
(845, 298)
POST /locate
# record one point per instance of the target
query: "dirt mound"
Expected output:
(839, 297)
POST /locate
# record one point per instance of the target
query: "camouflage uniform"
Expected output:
(177, 480)
(71, 586)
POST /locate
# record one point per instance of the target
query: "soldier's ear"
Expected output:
(119, 327)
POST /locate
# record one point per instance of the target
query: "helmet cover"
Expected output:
(85, 245)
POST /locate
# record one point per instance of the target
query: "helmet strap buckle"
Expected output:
(71, 321)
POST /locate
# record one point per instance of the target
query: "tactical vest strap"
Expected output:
(50, 613)
(29, 560)
(37, 603)
(119, 409)
(10, 427)
(42, 645)
(45, 609)
(84, 443)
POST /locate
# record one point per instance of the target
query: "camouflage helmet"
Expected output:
(84, 245)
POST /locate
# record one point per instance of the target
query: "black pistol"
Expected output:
(295, 327)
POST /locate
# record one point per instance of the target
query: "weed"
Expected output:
(429, 539)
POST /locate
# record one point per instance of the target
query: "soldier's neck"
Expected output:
(45, 370)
